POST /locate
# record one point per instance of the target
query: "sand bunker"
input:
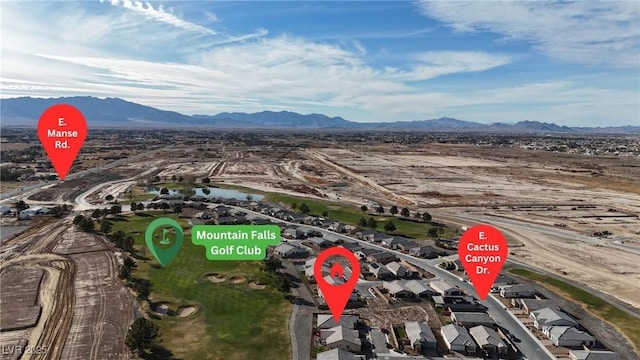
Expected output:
(255, 285)
(237, 279)
(184, 311)
(216, 278)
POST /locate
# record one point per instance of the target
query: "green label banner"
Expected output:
(235, 242)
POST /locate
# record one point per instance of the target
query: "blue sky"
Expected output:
(572, 63)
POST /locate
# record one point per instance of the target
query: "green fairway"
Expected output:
(626, 323)
(347, 214)
(234, 321)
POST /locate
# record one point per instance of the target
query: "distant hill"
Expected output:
(103, 112)
(117, 112)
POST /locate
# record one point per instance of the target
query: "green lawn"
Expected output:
(347, 214)
(234, 321)
(626, 323)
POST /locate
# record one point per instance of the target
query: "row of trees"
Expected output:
(405, 212)
(388, 226)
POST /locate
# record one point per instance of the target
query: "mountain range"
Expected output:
(115, 112)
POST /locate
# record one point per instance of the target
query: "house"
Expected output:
(295, 217)
(225, 220)
(365, 252)
(417, 288)
(420, 336)
(353, 247)
(398, 269)
(290, 233)
(382, 257)
(290, 251)
(320, 242)
(531, 305)
(470, 319)
(336, 226)
(488, 340)
(406, 244)
(517, 291)
(221, 210)
(341, 337)
(391, 241)
(349, 229)
(568, 336)
(362, 234)
(375, 237)
(593, 355)
(304, 232)
(380, 271)
(339, 354)
(335, 240)
(444, 289)
(34, 211)
(426, 251)
(397, 290)
(261, 221)
(458, 339)
(326, 321)
(550, 317)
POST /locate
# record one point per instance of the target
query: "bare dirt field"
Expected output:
(567, 195)
(65, 293)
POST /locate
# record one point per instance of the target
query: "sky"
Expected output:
(571, 63)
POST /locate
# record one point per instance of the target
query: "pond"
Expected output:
(214, 192)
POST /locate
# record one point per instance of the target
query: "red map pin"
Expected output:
(336, 296)
(62, 130)
(482, 251)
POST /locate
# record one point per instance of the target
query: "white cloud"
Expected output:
(159, 14)
(432, 64)
(592, 32)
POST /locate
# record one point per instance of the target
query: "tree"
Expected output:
(20, 206)
(143, 287)
(164, 191)
(86, 225)
(105, 226)
(364, 208)
(78, 219)
(140, 206)
(417, 215)
(325, 213)
(115, 210)
(109, 197)
(206, 180)
(124, 273)
(372, 223)
(96, 213)
(426, 217)
(141, 336)
(405, 212)
(174, 178)
(304, 208)
(272, 264)
(393, 210)
(130, 263)
(206, 191)
(362, 222)
(134, 206)
(294, 206)
(389, 226)
(249, 197)
(432, 232)
(380, 210)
